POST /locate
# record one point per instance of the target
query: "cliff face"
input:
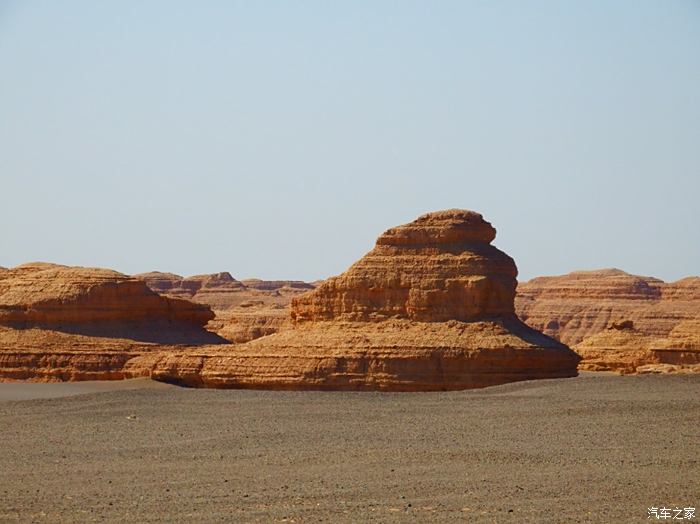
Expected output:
(582, 309)
(69, 323)
(440, 267)
(430, 308)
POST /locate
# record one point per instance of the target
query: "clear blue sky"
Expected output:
(279, 139)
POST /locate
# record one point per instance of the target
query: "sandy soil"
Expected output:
(598, 448)
(33, 390)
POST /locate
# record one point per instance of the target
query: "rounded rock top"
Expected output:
(450, 226)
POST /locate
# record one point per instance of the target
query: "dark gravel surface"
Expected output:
(597, 448)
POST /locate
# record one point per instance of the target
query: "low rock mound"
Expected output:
(274, 285)
(74, 323)
(680, 351)
(59, 296)
(429, 308)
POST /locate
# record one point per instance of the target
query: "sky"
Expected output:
(278, 139)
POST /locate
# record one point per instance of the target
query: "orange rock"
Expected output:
(578, 305)
(619, 348)
(439, 267)
(49, 294)
(71, 323)
(429, 308)
(681, 349)
(278, 285)
(215, 290)
(244, 310)
(579, 308)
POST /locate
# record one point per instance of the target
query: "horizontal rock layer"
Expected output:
(397, 355)
(51, 295)
(69, 323)
(245, 310)
(49, 356)
(439, 267)
(587, 309)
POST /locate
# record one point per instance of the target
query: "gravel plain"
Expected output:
(597, 448)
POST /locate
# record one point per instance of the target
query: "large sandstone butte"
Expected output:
(617, 321)
(429, 308)
(74, 323)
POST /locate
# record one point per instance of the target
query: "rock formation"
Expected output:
(614, 320)
(72, 323)
(275, 285)
(245, 310)
(620, 348)
(52, 295)
(218, 290)
(429, 308)
(679, 352)
(575, 306)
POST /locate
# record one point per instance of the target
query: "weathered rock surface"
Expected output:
(578, 305)
(616, 321)
(679, 352)
(245, 310)
(252, 319)
(273, 285)
(71, 323)
(429, 308)
(218, 290)
(620, 348)
(439, 267)
(53, 295)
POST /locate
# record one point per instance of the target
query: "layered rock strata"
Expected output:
(218, 290)
(587, 310)
(245, 310)
(680, 351)
(578, 305)
(71, 323)
(429, 308)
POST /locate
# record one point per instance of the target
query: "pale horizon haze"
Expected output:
(278, 139)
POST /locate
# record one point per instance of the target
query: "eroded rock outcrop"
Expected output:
(679, 352)
(614, 320)
(429, 308)
(245, 310)
(72, 323)
(52, 295)
(578, 305)
(277, 285)
(218, 290)
(620, 348)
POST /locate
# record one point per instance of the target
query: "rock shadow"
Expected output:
(162, 332)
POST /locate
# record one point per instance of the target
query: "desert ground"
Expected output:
(597, 448)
